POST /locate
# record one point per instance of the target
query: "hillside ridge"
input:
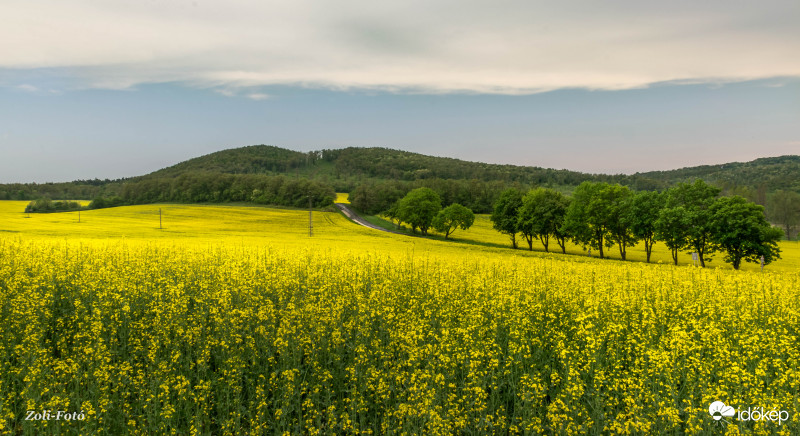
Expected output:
(379, 163)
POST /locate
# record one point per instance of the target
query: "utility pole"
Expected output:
(310, 218)
(159, 219)
(79, 216)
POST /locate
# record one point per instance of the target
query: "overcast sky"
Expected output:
(112, 88)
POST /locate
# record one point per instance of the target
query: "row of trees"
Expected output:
(220, 188)
(46, 205)
(422, 209)
(690, 216)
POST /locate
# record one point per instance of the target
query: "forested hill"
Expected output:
(349, 167)
(766, 174)
(254, 159)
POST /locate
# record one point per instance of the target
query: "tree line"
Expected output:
(220, 188)
(79, 189)
(688, 217)
(46, 205)
(206, 188)
(599, 216)
(374, 197)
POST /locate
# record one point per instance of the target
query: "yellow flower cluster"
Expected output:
(157, 338)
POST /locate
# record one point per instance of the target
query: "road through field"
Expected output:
(349, 213)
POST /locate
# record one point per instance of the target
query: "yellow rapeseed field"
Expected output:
(342, 197)
(232, 320)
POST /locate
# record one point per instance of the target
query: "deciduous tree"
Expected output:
(642, 216)
(453, 217)
(620, 200)
(418, 208)
(742, 232)
(696, 199)
(587, 217)
(671, 228)
(504, 215)
(542, 215)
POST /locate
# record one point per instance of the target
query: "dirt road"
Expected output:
(358, 220)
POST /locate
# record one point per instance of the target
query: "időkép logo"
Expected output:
(719, 411)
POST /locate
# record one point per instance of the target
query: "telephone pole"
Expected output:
(159, 219)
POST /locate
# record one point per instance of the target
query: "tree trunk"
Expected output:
(674, 255)
(545, 241)
(562, 242)
(600, 245)
(514, 240)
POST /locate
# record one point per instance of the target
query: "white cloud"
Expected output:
(258, 96)
(28, 88)
(413, 46)
(236, 92)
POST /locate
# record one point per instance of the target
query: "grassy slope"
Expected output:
(481, 233)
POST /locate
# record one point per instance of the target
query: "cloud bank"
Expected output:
(508, 47)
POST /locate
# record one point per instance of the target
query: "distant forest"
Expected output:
(378, 177)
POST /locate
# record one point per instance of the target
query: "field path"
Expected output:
(358, 220)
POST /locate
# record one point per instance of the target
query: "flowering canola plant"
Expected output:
(165, 336)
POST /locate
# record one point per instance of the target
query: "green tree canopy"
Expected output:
(740, 229)
(642, 216)
(504, 215)
(696, 199)
(418, 208)
(594, 217)
(620, 200)
(542, 215)
(372, 198)
(43, 205)
(672, 228)
(453, 217)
